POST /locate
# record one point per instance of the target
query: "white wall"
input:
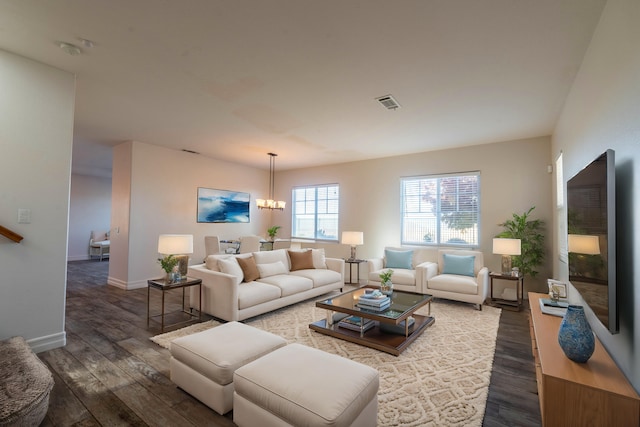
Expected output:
(89, 209)
(601, 112)
(36, 130)
(155, 192)
(513, 178)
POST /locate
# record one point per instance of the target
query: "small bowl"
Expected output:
(368, 291)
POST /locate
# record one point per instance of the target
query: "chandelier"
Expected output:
(270, 203)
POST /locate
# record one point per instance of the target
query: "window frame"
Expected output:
(316, 211)
(438, 215)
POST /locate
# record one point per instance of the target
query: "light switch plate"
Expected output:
(24, 216)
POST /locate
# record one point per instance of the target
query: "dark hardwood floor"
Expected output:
(110, 373)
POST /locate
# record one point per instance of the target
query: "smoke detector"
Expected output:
(70, 49)
(388, 102)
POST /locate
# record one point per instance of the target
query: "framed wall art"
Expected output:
(222, 205)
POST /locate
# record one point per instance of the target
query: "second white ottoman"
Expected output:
(203, 364)
(298, 385)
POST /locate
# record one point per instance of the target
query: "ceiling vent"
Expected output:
(190, 151)
(388, 102)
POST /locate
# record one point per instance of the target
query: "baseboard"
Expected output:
(48, 342)
(78, 258)
(127, 286)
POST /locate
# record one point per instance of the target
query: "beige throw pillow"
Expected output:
(249, 268)
(301, 260)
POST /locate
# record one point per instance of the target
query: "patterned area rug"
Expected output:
(441, 379)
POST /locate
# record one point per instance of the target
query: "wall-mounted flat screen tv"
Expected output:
(591, 240)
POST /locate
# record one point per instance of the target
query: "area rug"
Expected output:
(441, 379)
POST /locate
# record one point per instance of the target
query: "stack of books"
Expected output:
(555, 308)
(399, 328)
(374, 303)
(353, 323)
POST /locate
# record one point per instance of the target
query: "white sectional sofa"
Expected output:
(426, 271)
(237, 287)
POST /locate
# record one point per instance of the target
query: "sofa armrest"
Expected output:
(375, 264)
(483, 282)
(424, 271)
(337, 265)
(219, 292)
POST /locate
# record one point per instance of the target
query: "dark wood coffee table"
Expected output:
(403, 306)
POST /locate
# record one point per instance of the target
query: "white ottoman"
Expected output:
(303, 386)
(203, 364)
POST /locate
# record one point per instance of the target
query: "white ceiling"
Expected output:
(236, 79)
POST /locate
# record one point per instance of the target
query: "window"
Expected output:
(441, 210)
(315, 212)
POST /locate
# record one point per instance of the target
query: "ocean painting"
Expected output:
(222, 205)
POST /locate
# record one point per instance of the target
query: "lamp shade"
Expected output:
(174, 244)
(506, 246)
(584, 244)
(352, 238)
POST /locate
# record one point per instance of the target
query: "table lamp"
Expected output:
(352, 238)
(506, 248)
(178, 245)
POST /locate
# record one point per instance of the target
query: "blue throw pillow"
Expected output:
(458, 264)
(398, 259)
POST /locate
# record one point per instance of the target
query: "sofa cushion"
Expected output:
(301, 260)
(254, 293)
(398, 259)
(458, 264)
(289, 284)
(268, 257)
(272, 269)
(454, 283)
(231, 266)
(249, 268)
(319, 277)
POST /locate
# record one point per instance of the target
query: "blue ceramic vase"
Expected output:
(575, 336)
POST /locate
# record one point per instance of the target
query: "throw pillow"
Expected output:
(272, 269)
(211, 262)
(319, 260)
(398, 259)
(231, 266)
(458, 264)
(249, 268)
(301, 260)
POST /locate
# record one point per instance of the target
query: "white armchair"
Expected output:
(99, 244)
(459, 275)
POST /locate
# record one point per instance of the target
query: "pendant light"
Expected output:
(270, 203)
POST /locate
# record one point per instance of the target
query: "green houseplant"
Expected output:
(529, 231)
(386, 286)
(272, 231)
(168, 264)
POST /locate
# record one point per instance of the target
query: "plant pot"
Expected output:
(575, 336)
(386, 287)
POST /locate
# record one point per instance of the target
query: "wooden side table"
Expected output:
(161, 285)
(350, 262)
(506, 303)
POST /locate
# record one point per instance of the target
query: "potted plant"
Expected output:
(272, 231)
(529, 231)
(169, 264)
(386, 286)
